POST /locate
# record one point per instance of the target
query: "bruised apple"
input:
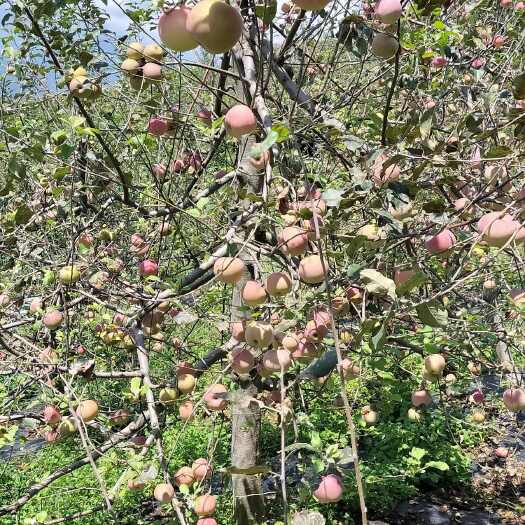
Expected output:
(212, 399)
(186, 383)
(205, 505)
(164, 492)
(258, 334)
(201, 469)
(184, 476)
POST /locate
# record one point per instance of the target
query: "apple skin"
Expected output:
(148, 267)
(384, 45)
(173, 31)
(388, 11)
(205, 505)
(441, 243)
(213, 402)
(240, 120)
(216, 25)
(330, 489)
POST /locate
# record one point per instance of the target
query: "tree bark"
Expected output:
(246, 414)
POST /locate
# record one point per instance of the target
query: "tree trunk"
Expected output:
(246, 414)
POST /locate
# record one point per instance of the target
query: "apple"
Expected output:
(201, 469)
(293, 240)
(210, 397)
(135, 51)
(184, 476)
(205, 505)
(52, 319)
(384, 45)
(69, 274)
(240, 119)
(439, 62)
(388, 11)
(514, 399)
(148, 267)
(330, 489)
(253, 293)
(242, 361)
(435, 364)
(312, 270)
(51, 415)
(173, 30)
(186, 410)
(229, 269)
(215, 25)
(441, 243)
(157, 126)
(168, 396)
(421, 398)
(87, 410)
(164, 492)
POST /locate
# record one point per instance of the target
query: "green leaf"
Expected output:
(23, 214)
(415, 281)
(65, 151)
(267, 11)
(266, 144)
(299, 446)
(353, 269)
(322, 366)
(432, 314)
(379, 337)
(184, 489)
(58, 137)
(417, 453)
(498, 152)
(217, 123)
(76, 121)
(333, 197)
(49, 278)
(378, 284)
(439, 465)
(134, 385)
(353, 143)
(315, 440)
(282, 132)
